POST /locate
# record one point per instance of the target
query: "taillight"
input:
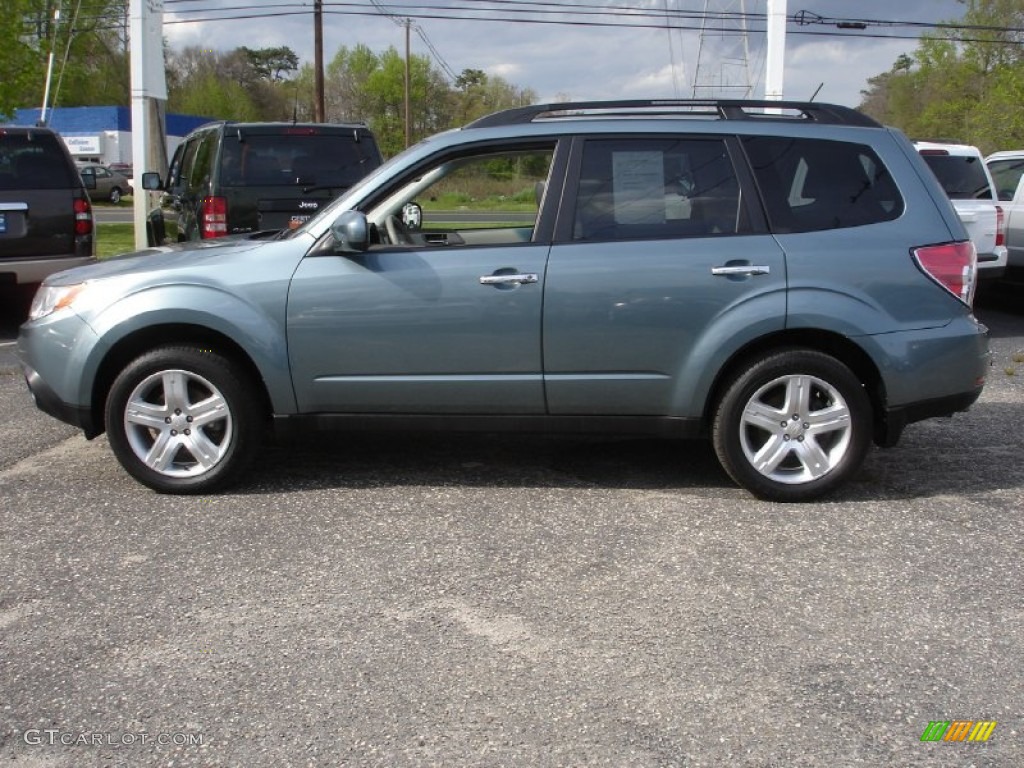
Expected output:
(1000, 226)
(83, 216)
(954, 266)
(214, 220)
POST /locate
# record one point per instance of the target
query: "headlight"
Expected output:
(52, 298)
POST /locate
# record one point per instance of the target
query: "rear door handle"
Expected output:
(742, 269)
(519, 279)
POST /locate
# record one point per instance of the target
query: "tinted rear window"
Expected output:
(963, 177)
(322, 159)
(814, 184)
(33, 162)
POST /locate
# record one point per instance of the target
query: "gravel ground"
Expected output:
(514, 602)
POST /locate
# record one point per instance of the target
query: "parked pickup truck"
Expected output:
(1007, 170)
(962, 172)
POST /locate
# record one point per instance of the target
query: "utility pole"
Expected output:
(319, 112)
(408, 107)
(149, 93)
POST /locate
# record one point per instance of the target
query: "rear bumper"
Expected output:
(930, 373)
(888, 431)
(992, 265)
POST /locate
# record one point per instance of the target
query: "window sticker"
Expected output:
(638, 181)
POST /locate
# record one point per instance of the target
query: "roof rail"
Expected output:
(723, 109)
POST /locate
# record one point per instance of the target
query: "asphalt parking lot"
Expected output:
(496, 601)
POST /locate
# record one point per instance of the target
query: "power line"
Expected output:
(624, 17)
(430, 10)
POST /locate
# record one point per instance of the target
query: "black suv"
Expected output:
(45, 216)
(231, 178)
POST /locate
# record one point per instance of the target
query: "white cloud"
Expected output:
(592, 62)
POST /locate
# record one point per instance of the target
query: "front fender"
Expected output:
(258, 330)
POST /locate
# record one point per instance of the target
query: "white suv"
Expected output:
(1007, 169)
(962, 172)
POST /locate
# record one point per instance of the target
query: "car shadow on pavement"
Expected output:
(487, 460)
(971, 453)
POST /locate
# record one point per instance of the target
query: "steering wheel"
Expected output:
(397, 232)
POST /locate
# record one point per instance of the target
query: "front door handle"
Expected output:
(741, 269)
(517, 279)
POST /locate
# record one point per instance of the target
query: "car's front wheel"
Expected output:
(183, 419)
(794, 426)
(115, 195)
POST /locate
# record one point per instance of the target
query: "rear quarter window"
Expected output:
(815, 184)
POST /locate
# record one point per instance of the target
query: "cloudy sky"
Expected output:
(581, 59)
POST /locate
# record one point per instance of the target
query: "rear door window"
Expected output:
(671, 187)
(815, 184)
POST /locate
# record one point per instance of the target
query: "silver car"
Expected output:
(792, 284)
(105, 183)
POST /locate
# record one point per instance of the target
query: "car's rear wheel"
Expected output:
(183, 419)
(794, 426)
(115, 195)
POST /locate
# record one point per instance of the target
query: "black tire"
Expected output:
(194, 403)
(794, 426)
(115, 195)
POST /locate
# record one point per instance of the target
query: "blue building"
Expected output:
(104, 134)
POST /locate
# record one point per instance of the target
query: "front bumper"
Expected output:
(57, 355)
(48, 402)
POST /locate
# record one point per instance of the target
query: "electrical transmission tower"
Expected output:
(723, 67)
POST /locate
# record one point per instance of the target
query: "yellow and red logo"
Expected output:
(958, 730)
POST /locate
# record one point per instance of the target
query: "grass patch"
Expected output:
(112, 239)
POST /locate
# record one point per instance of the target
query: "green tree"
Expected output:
(478, 94)
(271, 63)
(90, 54)
(967, 91)
(22, 57)
(369, 87)
(227, 85)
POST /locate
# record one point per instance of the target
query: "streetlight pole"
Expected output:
(775, 57)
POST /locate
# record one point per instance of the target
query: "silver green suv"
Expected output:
(787, 279)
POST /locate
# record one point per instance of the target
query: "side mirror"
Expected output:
(351, 232)
(412, 216)
(151, 181)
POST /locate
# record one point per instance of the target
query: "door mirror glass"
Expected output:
(151, 181)
(412, 216)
